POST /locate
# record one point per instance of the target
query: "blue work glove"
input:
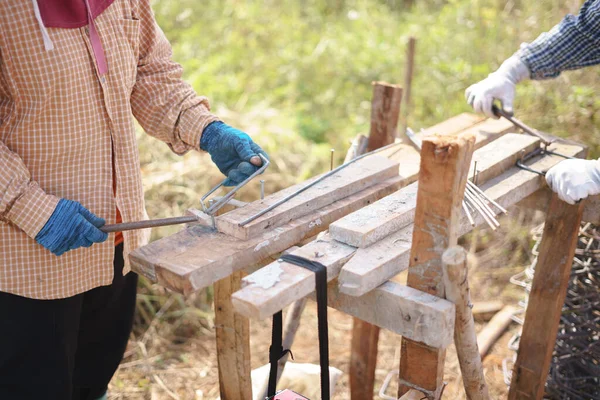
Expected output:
(233, 152)
(70, 226)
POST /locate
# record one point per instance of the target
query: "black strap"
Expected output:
(276, 350)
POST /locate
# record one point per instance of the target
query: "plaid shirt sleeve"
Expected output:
(22, 201)
(164, 105)
(573, 43)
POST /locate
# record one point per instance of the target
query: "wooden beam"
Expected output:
(198, 256)
(445, 162)
(371, 266)
(348, 181)
(385, 111)
(408, 312)
(369, 225)
(279, 284)
(546, 299)
(233, 342)
(457, 291)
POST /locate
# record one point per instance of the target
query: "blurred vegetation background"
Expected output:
(296, 75)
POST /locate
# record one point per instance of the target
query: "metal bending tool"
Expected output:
(538, 152)
(544, 137)
(322, 178)
(210, 211)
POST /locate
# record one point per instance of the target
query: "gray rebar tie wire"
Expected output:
(575, 369)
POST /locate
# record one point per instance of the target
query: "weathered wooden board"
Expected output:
(279, 284)
(445, 163)
(408, 312)
(373, 265)
(352, 179)
(369, 225)
(547, 297)
(197, 257)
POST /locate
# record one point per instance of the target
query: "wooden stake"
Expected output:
(546, 299)
(408, 78)
(457, 291)
(385, 111)
(233, 342)
(233, 338)
(445, 162)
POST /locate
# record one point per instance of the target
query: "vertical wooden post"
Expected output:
(233, 340)
(456, 285)
(385, 111)
(408, 77)
(445, 162)
(548, 292)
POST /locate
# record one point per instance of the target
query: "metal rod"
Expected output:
(262, 189)
(322, 178)
(153, 223)
(469, 217)
(526, 128)
(484, 195)
(484, 208)
(331, 161)
(482, 212)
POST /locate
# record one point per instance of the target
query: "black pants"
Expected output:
(66, 349)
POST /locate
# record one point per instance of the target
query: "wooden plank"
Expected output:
(279, 284)
(456, 285)
(546, 299)
(350, 180)
(385, 111)
(408, 312)
(371, 266)
(233, 342)
(445, 162)
(485, 131)
(197, 257)
(494, 329)
(378, 220)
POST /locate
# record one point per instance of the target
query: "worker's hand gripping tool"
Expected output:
(210, 210)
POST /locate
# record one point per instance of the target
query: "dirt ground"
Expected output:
(173, 357)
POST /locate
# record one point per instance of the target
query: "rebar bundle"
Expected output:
(575, 369)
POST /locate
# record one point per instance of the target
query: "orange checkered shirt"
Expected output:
(61, 126)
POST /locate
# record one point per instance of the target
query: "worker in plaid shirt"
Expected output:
(573, 43)
(72, 74)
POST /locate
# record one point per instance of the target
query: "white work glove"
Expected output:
(498, 85)
(574, 180)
